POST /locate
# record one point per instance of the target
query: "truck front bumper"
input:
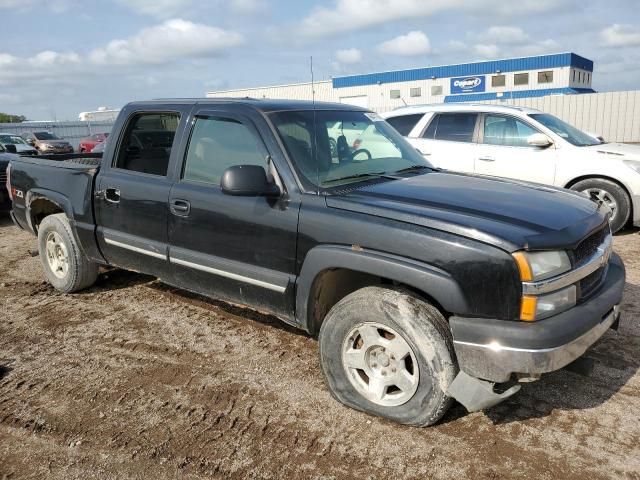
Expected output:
(494, 350)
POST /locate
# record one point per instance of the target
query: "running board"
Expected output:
(476, 394)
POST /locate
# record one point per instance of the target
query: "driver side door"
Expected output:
(503, 151)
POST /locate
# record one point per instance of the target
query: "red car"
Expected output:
(86, 144)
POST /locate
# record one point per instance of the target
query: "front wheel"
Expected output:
(612, 195)
(65, 266)
(388, 353)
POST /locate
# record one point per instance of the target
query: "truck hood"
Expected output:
(510, 215)
(616, 150)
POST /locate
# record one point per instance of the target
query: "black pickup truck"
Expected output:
(422, 285)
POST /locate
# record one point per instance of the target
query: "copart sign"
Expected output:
(468, 84)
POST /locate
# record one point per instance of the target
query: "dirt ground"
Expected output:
(134, 379)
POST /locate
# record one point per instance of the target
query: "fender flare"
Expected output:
(58, 199)
(433, 281)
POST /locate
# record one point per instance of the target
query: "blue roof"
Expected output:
(479, 97)
(466, 69)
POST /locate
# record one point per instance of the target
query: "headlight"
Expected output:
(633, 164)
(536, 266)
(542, 306)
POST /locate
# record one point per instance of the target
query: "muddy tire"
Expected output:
(388, 353)
(611, 194)
(65, 266)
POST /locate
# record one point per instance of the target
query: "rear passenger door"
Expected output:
(449, 140)
(240, 249)
(132, 193)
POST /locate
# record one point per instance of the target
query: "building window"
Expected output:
(395, 93)
(436, 90)
(574, 76)
(545, 77)
(415, 92)
(588, 77)
(498, 81)
(521, 79)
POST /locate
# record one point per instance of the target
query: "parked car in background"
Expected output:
(526, 144)
(47, 142)
(5, 158)
(100, 147)
(22, 147)
(89, 143)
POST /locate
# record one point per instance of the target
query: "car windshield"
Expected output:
(11, 139)
(45, 136)
(332, 148)
(570, 133)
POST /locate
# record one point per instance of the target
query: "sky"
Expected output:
(61, 57)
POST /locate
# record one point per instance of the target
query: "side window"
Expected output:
(506, 131)
(405, 123)
(453, 127)
(147, 143)
(217, 144)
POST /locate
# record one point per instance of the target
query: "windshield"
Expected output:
(344, 148)
(11, 139)
(570, 133)
(45, 136)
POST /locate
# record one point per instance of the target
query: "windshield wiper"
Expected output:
(413, 168)
(359, 175)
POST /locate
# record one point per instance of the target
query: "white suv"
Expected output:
(525, 144)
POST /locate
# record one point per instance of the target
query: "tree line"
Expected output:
(9, 118)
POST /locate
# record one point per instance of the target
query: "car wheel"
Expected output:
(65, 266)
(612, 194)
(388, 353)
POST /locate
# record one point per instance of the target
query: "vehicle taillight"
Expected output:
(9, 181)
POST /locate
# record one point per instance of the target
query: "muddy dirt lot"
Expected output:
(134, 379)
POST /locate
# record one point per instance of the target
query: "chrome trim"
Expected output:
(233, 276)
(143, 251)
(497, 362)
(599, 259)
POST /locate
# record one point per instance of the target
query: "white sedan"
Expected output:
(525, 144)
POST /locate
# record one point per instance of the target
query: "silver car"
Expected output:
(22, 147)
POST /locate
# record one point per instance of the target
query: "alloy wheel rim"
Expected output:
(57, 255)
(605, 197)
(380, 364)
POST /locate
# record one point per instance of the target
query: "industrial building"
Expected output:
(508, 79)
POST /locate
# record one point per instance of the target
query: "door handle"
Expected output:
(112, 195)
(182, 208)
(487, 159)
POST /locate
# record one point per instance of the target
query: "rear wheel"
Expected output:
(65, 266)
(612, 195)
(388, 353)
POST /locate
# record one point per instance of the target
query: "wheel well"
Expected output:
(41, 208)
(604, 177)
(332, 285)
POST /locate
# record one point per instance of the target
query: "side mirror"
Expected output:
(248, 181)
(539, 140)
(31, 141)
(11, 148)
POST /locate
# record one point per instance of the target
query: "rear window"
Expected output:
(453, 127)
(405, 123)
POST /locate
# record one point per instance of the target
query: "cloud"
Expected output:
(157, 8)
(173, 39)
(487, 51)
(349, 56)
(620, 36)
(56, 6)
(412, 44)
(505, 34)
(247, 7)
(351, 15)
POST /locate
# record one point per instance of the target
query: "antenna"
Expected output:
(314, 150)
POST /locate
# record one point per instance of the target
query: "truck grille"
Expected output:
(591, 282)
(3, 179)
(589, 245)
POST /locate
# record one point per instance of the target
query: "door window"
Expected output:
(217, 144)
(405, 123)
(147, 143)
(506, 131)
(454, 127)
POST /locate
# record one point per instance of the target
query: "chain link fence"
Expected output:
(72, 132)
